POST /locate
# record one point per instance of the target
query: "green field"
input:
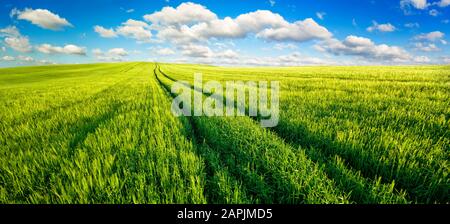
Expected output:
(105, 133)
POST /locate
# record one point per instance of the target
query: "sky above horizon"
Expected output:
(231, 33)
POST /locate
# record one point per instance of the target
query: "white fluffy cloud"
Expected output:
(421, 59)
(42, 18)
(445, 59)
(46, 62)
(299, 31)
(431, 36)
(418, 4)
(8, 58)
(67, 49)
(118, 51)
(10, 31)
(433, 12)
(299, 59)
(134, 29)
(426, 47)
(190, 22)
(165, 51)
(185, 13)
(226, 54)
(366, 48)
(194, 50)
(114, 54)
(20, 44)
(25, 58)
(201, 51)
(15, 40)
(282, 46)
(387, 27)
(103, 32)
(444, 3)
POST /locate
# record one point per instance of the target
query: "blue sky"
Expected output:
(249, 33)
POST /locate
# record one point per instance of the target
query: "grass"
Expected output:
(104, 133)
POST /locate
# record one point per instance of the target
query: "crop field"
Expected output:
(105, 133)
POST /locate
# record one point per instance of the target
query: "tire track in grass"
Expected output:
(272, 170)
(221, 186)
(360, 189)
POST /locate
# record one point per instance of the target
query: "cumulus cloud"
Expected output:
(445, 59)
(165, 51)
(226, 54)
(103, 32)
(444, 3)
(118, 51)
(67, 49)
(239, 27)
(426, 47)
(185, 13)
(421, 59)
(365, 48)
(10, 31)
(46, 62)
(282, 46)
(194, 50)
(25, 58)
(21, 44)
(8, 58)
(299, 31)
(387, 27)
(296, 59)
(134, 29)
(431, 36)
(418, 4)
(114, 54)
(15, 40)
(201, 51)
(433, 12)
(41, 17)
(190, 22)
